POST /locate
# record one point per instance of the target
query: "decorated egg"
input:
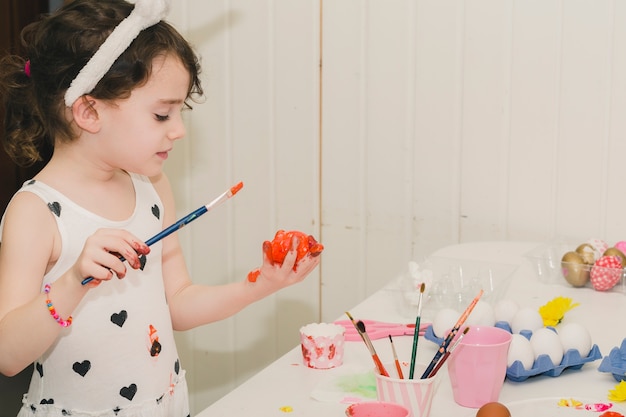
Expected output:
(599, 245)
(505, 310)
(444, 320)
(587, 253)
(621, 245)
(521, 350)
(606, 273)
(575, 336)
(526, 318)
(482, 315)
(546, 342)
(574, 269)
(616, 252)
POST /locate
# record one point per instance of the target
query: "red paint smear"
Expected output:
(235, 188)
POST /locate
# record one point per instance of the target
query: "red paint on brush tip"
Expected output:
(235, 188)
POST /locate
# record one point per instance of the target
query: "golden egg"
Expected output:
(616, 252)
(574, 269)
(587, 252)
(493, 409)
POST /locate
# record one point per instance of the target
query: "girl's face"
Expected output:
(139, 132)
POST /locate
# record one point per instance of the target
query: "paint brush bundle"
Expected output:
(443, 348)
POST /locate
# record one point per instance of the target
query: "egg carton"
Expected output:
(615, 362)
(543, 364)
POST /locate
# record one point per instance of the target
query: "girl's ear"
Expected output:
(85, 114)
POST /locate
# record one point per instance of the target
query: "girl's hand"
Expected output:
(102, 253)
(278, 276)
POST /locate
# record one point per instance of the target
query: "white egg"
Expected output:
(521, 350)
(546, 342)
(444, 320)
(505, 310)
(482, 315)
(575, 336)
(526, 318)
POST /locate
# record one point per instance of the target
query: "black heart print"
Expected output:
(55, 207)
(142, 261)
(81, 368)
(31, 182)
(39, 368)
(156, 211)
(129, 392)
(48, 401)
(177, 366)
(119, 318)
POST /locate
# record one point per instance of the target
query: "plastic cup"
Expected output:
(322, 345)
(477, 367)
(377, 409)
(415, 394)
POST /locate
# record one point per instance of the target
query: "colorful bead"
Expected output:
(53, 313)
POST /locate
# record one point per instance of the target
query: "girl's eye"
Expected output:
(161, 118)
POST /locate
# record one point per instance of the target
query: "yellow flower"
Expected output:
(619, 392)
(553, 311)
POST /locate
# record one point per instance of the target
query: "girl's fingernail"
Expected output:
(141, 248)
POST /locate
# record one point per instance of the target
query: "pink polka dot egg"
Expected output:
(606, 273)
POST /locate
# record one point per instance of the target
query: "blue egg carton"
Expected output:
(615, 362)
(543, 364)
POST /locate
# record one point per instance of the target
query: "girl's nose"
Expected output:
(177, 129)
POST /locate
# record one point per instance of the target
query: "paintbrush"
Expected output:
(395, 358)
(444, 345)
(381, 369)
(416, 333)
(187, 219)
(448, 353)
(360, 328)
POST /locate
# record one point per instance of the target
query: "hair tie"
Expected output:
(145, 14)
(27, 68)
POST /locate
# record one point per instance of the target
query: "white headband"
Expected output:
(145, 14)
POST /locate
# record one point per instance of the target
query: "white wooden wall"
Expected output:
(431, 122)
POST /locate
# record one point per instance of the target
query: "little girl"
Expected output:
(103, 86)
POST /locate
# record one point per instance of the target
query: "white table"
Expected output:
(287, 383)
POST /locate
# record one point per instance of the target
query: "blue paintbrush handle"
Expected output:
(176, 226)
(166, 232)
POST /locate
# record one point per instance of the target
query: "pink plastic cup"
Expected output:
(415, 394)
(377, 409)
(322, 345)
(477, 367)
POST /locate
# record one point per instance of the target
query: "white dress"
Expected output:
(118, 358)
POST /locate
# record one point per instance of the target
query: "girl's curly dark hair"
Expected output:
(58, 47)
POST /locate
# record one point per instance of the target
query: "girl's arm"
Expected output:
(26, 327)
(192, 305)
(30, 246)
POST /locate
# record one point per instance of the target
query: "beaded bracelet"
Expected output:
(53, 312)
